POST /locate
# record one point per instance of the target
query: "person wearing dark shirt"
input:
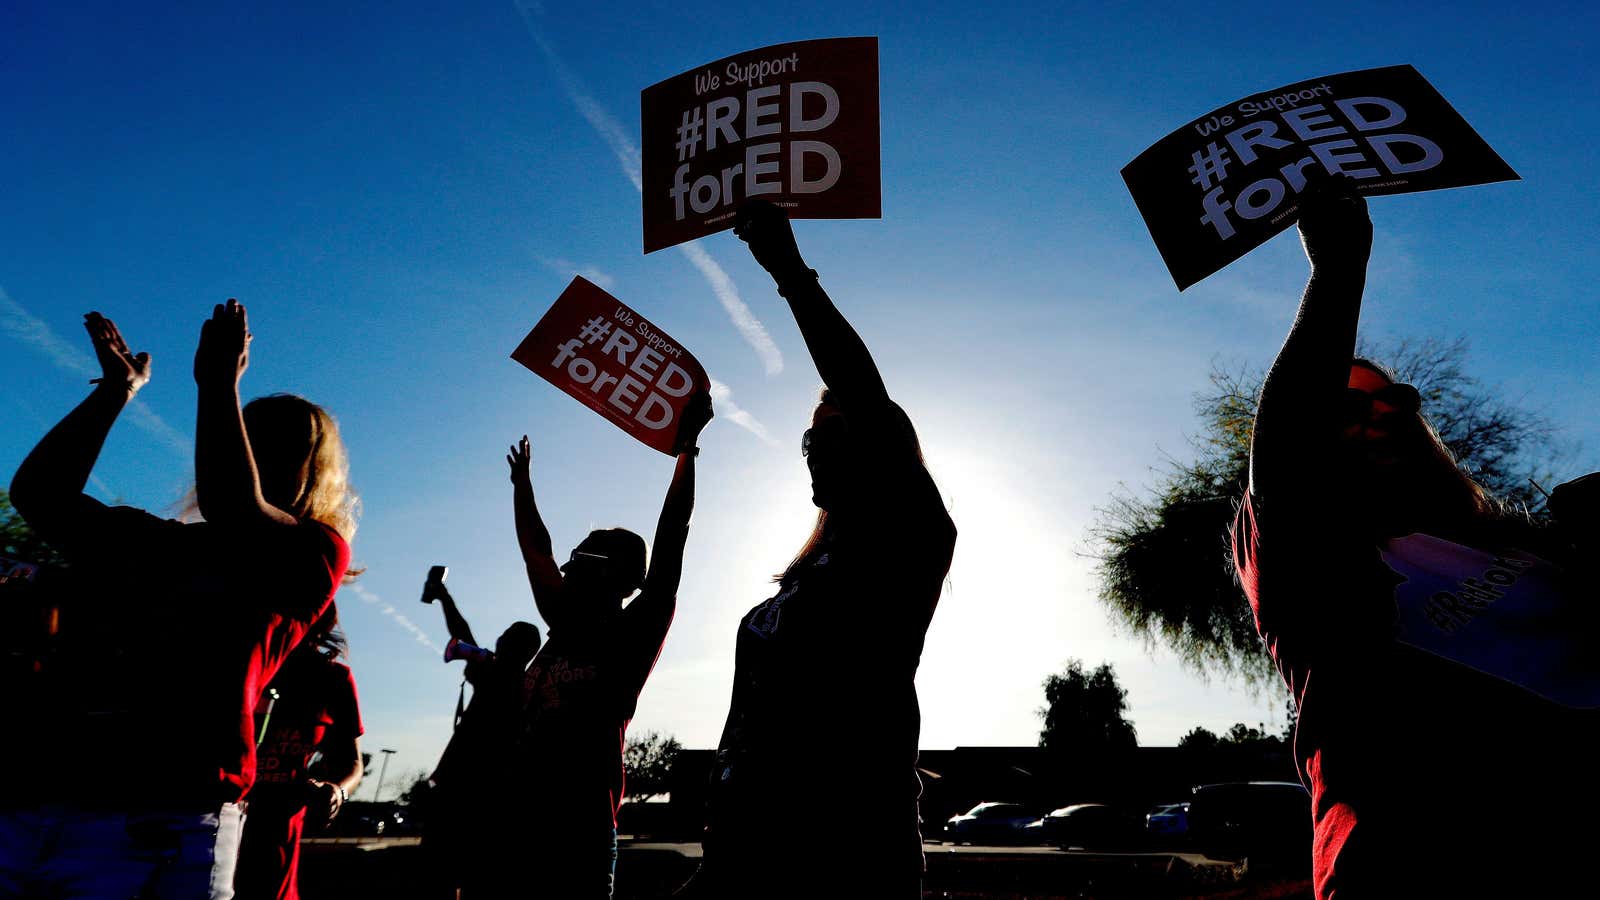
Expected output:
(202, 614)
(1439, 644)
(311, 711)
(471, 839)
(581, 690)
(824, 697)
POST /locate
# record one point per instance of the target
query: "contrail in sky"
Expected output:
(627, 153)
(722, 399)
(395, 615)
(30, 329)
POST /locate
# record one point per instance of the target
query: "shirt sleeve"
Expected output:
(294, 571)
(344, 706)
(1314, 585)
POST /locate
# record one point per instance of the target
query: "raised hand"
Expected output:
(766, 229)
(695, 417)
(1334, 227)
(224, 351)
(518, 459)
(118, 365)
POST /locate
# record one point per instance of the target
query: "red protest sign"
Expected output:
(614, 361)
(796, 123)
(1223, 184)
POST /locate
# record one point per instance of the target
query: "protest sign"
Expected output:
(796, 123)
(599, 350)
(1225, 183)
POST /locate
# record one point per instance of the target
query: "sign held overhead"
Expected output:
(614, 361)
(1226, 182)
(796, 123)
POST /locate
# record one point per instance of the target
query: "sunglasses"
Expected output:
(830, 434)
(1358, 404)
(584, 557)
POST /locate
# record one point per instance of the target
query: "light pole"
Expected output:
(377, 795)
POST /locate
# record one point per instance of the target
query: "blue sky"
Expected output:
(399, 190)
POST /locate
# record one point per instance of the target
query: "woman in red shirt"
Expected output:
(311, 711)
(1438, 642)
(201, 615)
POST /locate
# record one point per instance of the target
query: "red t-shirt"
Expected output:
(317, 704)
(579, 694)
(192, 621)
(1446, 701)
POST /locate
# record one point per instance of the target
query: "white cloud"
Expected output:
(31, 330)
(568, 267)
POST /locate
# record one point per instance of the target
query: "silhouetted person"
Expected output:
(1439, 646)
(145, 791)
(315, 713)
(824, 700)
(584, 684)
(473, 814)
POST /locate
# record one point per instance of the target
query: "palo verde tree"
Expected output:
(1164, 566)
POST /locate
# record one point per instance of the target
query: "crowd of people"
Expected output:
(1432, 636)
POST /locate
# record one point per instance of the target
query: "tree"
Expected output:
(1084, 712)
(17, 538)
(647, 763)
(1164, 565)
(1200, 739)
(417, 794)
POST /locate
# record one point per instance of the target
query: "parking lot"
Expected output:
(391, 867)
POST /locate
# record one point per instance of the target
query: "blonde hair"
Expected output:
(301, 462)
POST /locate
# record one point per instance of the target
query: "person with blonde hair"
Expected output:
(137, 784)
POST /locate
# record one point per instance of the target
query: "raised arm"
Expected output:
(1296, 424)
(672, 529)
(226, 482)
(538, 556)
(47, 489)
(454, 622)
(841, 357)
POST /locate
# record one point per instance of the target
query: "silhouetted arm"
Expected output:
(538, 556)
(672, 528)
(1297, 420)
(226, 483)
(841, 357)
(47, 489)
(340, 747)
(454, 622)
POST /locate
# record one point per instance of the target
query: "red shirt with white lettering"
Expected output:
(316, 707)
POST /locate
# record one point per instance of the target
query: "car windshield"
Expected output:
(1001, 810)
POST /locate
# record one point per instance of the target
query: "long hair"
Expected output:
(325, 637)
(301, 462)
(821, 529)
(1457, 493)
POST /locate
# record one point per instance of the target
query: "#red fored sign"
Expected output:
(1226, 182)
(614, 361)
(795, 123)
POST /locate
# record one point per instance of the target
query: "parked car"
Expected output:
(1088, 825)
(990, 823)
(1266, 821)
(1168, 821)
